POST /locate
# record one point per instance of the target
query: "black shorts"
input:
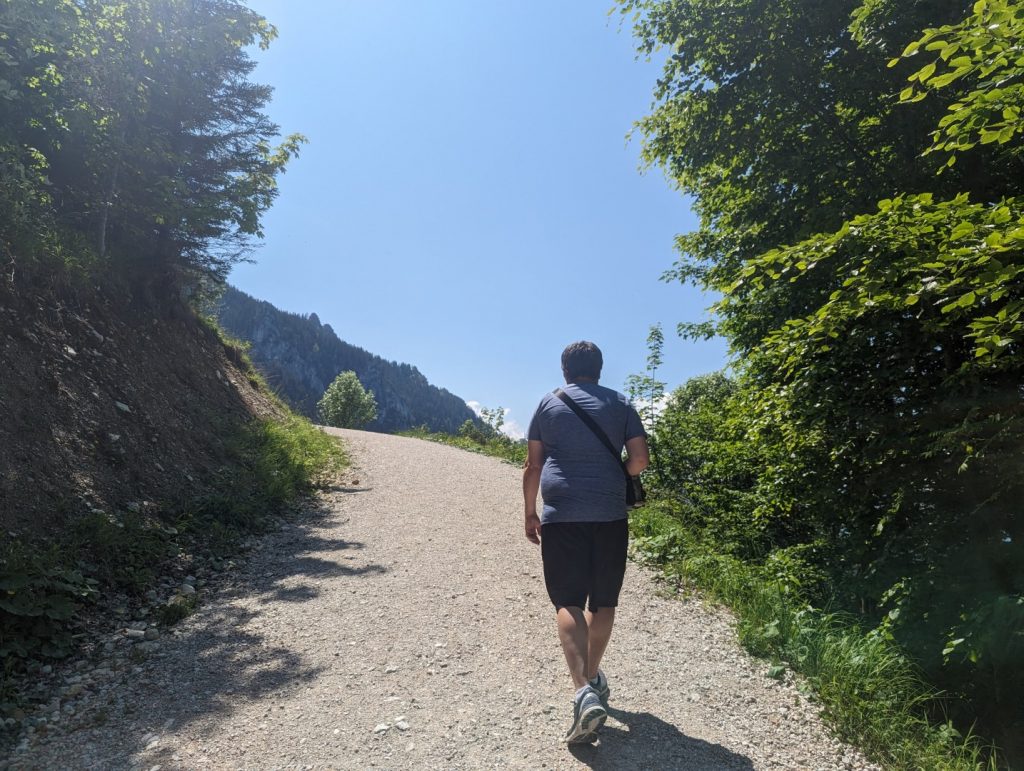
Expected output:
(584, 560)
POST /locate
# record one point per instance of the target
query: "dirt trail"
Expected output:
(406, 626)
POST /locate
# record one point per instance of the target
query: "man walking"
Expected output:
(582, 529)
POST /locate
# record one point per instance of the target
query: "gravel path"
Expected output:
(406, 626)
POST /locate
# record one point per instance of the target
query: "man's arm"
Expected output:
(638, 456)
(531, 487)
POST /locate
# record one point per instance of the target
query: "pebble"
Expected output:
(381, 728)
(187, 589)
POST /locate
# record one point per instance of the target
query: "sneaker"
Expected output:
(600, 684)
(588, 715)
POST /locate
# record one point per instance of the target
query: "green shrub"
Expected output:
(346, 404)
(871, 691)
(39, 593)
(123, 551)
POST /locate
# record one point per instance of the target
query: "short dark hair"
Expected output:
(582, 359)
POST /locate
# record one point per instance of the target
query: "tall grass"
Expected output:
(869, 690)
(500, 446)
(273, 462)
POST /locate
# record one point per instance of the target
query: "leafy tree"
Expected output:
(648, 393)
(856, 169)
(984, 52)
(487, 427)
(133, 140)
(346, 404)
(646, 389)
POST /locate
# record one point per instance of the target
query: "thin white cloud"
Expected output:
(511, 428)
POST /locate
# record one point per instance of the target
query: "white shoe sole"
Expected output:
(586, 727)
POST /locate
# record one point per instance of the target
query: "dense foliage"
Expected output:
(857, 169)
(131, 140)
(346, 404)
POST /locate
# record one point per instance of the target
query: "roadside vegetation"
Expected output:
(346, 404)
(483, 435)
(851, 487)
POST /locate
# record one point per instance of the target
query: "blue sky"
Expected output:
(468, 202)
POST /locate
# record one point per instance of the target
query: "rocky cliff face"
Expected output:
(300, 357)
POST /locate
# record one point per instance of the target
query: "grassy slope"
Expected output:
(498, 447)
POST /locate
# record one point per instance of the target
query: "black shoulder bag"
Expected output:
(635, 495)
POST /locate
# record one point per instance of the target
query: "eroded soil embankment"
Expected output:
(106, 404)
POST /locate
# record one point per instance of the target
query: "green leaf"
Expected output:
(944, 79)
(925, 72)
(961, 230)
(911, 49)
(948, 51)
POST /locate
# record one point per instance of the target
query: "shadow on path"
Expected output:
(646, 741)
(229, 651)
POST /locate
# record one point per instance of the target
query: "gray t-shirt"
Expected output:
(581, 481)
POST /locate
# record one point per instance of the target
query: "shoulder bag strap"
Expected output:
(592, 425)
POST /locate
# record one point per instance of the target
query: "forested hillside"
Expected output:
(858, 169)
(300, 357)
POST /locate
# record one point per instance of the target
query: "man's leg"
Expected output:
(588, 713)
(609, 566)
(599, 632)
(574, 636)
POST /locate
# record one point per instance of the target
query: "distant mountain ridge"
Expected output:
(300, 357)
